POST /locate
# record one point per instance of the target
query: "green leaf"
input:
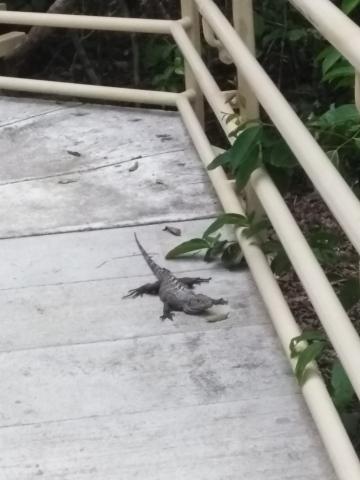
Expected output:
(339, 72)
(221, 160)
(338, 116)
(244, 143)
(249, 162)
(324, 53)
(332, 57)
(342, 390)
(212, 241)
(215, 250)
(186, 247)
(349, 293)
(306, 336)
(347, 6)
(345, 82)
(281, 156)
(309, 354)
(226, 219)
(351, 421)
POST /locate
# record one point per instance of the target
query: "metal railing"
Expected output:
(237, 43)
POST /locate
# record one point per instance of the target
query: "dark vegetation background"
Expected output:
(314, 78)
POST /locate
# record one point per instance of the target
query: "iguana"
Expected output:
(175, 293)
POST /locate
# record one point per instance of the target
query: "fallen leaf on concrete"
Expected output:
(173, 230)
(67, 180)
(73, 153)
(134, 167)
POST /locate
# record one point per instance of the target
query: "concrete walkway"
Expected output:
(95, 387)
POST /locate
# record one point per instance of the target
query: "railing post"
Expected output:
(189, 9)
(243, 18)
(357, 103)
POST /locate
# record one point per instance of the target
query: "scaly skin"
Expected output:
(175, 293)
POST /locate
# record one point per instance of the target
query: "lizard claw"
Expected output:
(168, 315)
(135, 292)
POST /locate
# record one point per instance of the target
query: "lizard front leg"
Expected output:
(149, 288)
(192, 281)
(167, 313)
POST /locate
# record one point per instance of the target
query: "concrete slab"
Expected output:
(94, 386)
(13, 110)
(142, 374)
(87, 372)
(69, 168)
(68, 289)
(207, 442)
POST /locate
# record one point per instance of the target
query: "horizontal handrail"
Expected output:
(313, 159)
(338, 326)
(341, 452)
(327, 305)
(87, 22)
(334, 25)
(96, 92)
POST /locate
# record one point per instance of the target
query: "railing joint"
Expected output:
(185, 22)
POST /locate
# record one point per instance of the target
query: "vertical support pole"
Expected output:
(357, 103)
(189, 9)
(243, 18)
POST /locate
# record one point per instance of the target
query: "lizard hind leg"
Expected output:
(147, 288)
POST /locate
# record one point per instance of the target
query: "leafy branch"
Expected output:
(257, 144)
(311, 346)
(214, 246)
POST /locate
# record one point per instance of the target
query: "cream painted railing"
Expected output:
(236, 43)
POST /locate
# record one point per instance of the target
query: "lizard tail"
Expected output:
(157, 271)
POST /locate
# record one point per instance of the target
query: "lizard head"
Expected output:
(198, 303)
